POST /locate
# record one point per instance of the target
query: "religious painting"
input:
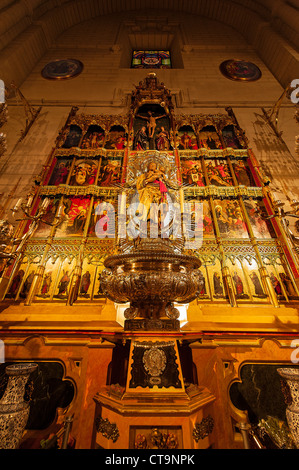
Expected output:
(75, 216)
(191, 172)
(117, 138)
(110, 171)
(278, 286)
(73, 138)
(243, 173)
(151, 60)
(204, 290)
(60, 172)
(86, 282)
(218, 285)
(186, 138)
(239, 280)
(240, 70)
(94, 138)
(288, 285)
(215, 280)
(204, 221)
(151, 129)
(230, 139)
(62, 69)
(156, 437)
(207, 221)
(84, 173)
(103, 219)
(64, 277)
(218, 172)
(260, 227)
(230, 220)
(98, 292)
(28, 279)
(47, 286)
(238, 283)
(254, 281)
(44, 228)
(282, 284)
(209, 139)
(15, 284)
(18, 281)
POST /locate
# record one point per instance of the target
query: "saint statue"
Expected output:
(152, 187)
(162, 140)
(140, 139)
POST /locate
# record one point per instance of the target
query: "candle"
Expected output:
(45, 203)
(182, 200)
(122, 206)
(19, 202)
(29, 201)
(60, 211)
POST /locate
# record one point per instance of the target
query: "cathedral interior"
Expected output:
(149, 290)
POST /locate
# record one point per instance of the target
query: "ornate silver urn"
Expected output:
(152, 276)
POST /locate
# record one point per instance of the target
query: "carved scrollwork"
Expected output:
(107, 429)
(154, 361)
(151, 277)
(172, 312)
(131, 312)
(203, 429)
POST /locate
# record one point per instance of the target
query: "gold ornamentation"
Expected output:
(107, 429)
(163, 440)
(203, 429)
(224, 192)
(66, 190)
(88, 153)
(154, 361)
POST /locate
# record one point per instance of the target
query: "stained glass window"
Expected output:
(151, 60)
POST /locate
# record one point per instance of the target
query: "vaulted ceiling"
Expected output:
(29, 27)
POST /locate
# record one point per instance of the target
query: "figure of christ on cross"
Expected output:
(151, 122)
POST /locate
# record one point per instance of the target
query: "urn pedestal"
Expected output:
(144, 413)
(14, 411)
